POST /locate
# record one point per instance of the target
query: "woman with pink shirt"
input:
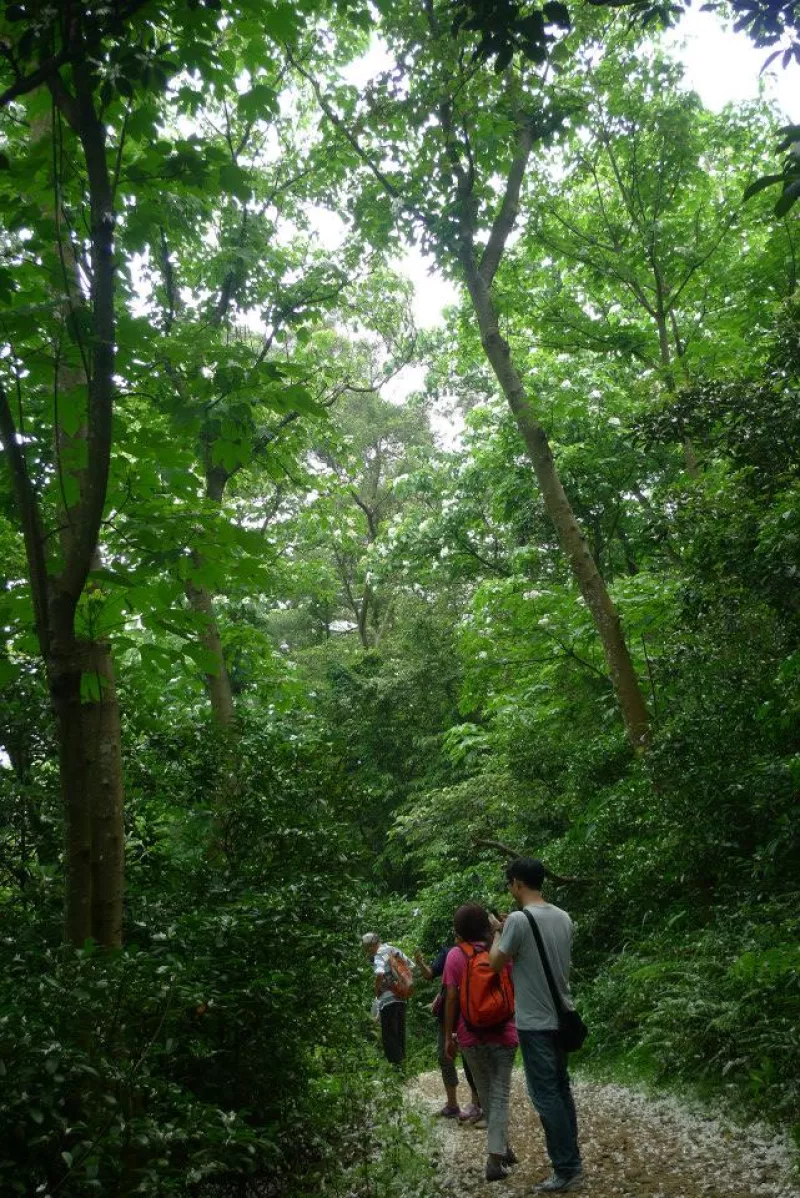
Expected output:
(488, 1051)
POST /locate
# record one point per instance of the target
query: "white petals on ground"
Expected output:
(633, 1145)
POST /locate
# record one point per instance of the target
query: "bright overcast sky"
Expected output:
(723, 66)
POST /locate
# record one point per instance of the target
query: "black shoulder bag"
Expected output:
(572, 1031)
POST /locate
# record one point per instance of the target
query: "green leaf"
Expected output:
(235, 181)
(91, 687)
(281, 22)
(260, 102)
(203, 658)
(296, 397)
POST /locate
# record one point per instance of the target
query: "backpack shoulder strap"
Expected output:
(558, 1001)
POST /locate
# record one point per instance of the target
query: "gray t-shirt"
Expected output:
(534, 1003)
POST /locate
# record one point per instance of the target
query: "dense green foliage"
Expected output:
(353, 664)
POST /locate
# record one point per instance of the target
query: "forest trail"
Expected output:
(633, 1146)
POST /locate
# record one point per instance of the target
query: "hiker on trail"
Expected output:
(451, 1109)
(471, 1023)
(393, 984)
(543, 1056)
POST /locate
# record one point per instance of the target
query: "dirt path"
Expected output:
(633, 1147)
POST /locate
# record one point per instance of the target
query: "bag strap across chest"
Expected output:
(558, 1001)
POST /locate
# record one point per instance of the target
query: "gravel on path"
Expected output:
(633, 1146)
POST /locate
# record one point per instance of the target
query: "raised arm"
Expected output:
(423, 966)
(497, 958)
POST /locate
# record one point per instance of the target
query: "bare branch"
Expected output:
(480, 842)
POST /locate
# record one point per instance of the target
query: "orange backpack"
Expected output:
(486, 998)
(399, 976)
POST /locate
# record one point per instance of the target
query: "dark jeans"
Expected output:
(548, 1086)
(393, 1031)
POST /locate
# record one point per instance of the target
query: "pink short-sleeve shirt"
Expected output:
(454, 969)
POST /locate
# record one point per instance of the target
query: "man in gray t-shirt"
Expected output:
(534, 1003)
(544, 1059)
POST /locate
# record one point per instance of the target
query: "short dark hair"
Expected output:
(528, 870)
(471, 922)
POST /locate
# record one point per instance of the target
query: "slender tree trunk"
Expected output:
(573, 542)
(363, 614)
(201, 600)
(689, 455)
(218, 681)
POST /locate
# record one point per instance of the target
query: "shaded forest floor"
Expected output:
(633, 1145)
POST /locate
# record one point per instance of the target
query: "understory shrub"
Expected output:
(715, 1008)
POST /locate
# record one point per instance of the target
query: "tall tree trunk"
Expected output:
(573, 542)
(102, 761)
(92, 783)
(64, 669)
(88, 731)
(83, 694)
(88, 723)
(479, 277)
(90, 760)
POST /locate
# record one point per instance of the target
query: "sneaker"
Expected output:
(510, 1157)
(481, 1123)
(471, 1113)
(448, 1112)
(495, 1171)
(559, 1185)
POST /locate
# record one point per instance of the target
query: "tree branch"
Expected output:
(507, 214)
(28, 83)
(336, 120)
(480, 842)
